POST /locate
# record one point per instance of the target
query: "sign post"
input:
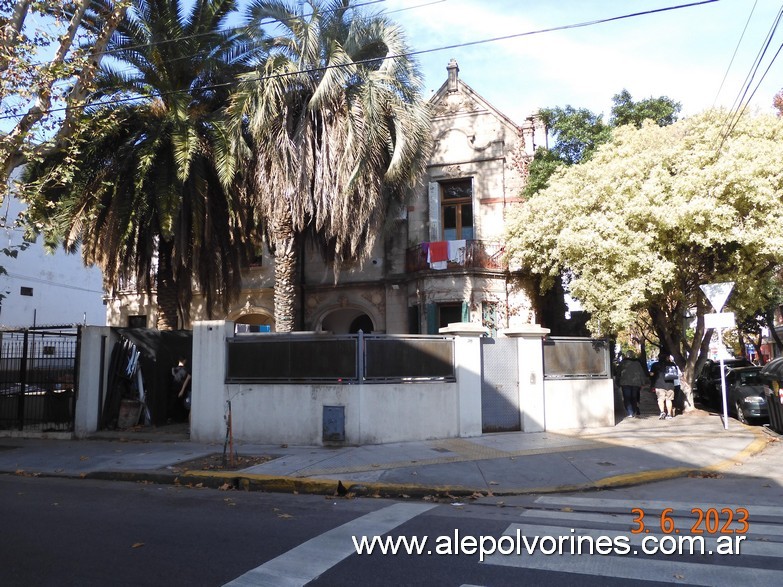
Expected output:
(717, 294)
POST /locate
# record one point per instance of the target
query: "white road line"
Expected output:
(653, 523)
(310, 559)
(639, 568)
(657, 506)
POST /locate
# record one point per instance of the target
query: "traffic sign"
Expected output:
(717, 293)
(719, 320)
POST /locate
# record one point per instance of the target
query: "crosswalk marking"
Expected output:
(613, 518)
(652, 505)
(306, 562)
(641, 569)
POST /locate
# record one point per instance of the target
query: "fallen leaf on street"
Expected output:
(137, 545)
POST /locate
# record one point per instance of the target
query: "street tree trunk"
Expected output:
(166, 288)
(285, 251)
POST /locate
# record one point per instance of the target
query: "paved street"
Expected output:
(71, 517)
(88, 532)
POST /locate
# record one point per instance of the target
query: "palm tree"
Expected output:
(139, 188)
(338, 130)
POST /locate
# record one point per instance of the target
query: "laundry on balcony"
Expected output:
(456, 251)
(438, 255)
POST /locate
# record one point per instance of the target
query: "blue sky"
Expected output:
(683, 54)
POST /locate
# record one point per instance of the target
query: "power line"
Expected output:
(736, 50)
(230, 30)
(236, 29)
(738, 108)
(397, 56)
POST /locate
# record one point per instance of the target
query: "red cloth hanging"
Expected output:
(439, 251)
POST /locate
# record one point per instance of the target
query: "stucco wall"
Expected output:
(578, 403)
(374, 414)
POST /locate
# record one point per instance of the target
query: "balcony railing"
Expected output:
(468, 254)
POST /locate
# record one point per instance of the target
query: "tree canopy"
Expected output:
(50, 52)
(137, 187)
(577, 132)
(339, 132)
(655, 213)
(662, 111)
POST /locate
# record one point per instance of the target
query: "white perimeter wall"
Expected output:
(374, 414)
(578, 403)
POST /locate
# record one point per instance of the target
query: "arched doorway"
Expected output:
(347, 321)
(253, 323)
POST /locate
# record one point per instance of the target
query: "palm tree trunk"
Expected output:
(285, 272)
(167, 299)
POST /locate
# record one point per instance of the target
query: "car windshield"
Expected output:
(750, 378)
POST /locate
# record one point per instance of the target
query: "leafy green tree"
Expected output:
(50, 51)
(654, 214)
(338, 130)
(577, 132)
(662, 111)
(138, 188)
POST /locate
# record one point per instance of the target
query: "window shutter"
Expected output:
(434, 211)
(432, 318)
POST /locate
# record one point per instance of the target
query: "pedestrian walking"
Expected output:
(631, 376)
(664, 376)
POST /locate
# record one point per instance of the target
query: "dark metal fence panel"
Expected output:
(326, 358)
(292, 358)
(408, 358)
(576, 358)
(38, 376)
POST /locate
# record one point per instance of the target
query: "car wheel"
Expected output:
(740, 414)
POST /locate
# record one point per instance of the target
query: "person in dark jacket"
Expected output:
(663, 378)
(630, 377)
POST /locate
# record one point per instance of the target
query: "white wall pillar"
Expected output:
(88, 395)
(467, 358)
(208, 389)
(530, 361)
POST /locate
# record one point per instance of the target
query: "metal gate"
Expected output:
(38, 377)
(499, 385)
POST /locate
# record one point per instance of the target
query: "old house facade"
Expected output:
(442, 261)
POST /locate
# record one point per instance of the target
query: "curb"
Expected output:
(327, 486)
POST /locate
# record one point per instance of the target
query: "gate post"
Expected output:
(467, 359)
(531, 374)
(208, 388)
(22, 380)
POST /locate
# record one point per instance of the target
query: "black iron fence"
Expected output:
(352, 358)
(38, 376)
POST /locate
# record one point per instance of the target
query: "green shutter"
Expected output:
(465, 312)
(432, 318)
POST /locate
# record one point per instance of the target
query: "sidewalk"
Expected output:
(635, 451)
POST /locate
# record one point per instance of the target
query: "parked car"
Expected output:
(707, 385)
(745, 394)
